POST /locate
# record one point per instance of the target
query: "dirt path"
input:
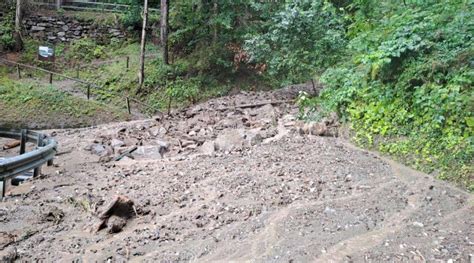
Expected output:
(235, 185)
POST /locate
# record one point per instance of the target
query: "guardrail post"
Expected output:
(50, 78)
(39, 143)
(127, 100)
(23, 141)
(88, 92)
(3, 187)
(18, 71)
(127, 64)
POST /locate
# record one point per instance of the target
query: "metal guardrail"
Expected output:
(44, 152)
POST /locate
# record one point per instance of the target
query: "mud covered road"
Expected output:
(234, 184)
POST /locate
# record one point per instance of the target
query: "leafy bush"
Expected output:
(301, 41)
(85, 49)
(7, 28)
(406, 87)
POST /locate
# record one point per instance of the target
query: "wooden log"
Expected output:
(244, 106)
(12, 144)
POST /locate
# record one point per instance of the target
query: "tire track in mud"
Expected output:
(361, 243)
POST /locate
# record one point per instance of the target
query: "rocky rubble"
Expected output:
(234, 184)
(212, 128)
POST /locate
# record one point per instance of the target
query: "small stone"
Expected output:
(418, 224)
(348, 178)
(37, 28)
(329, 210)
(8, 254)
(115, 143)
(208, 148)
(115, 224)
(98, 149)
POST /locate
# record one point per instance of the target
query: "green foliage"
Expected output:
(7, 28)
(44, 100)
(301, 41)
(183, 89)
(406, 86)
(85, 49)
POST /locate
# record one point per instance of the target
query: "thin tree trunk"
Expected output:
(164, 30)
(214, 11)
(17, 33)
(141, 73)
(58, 4)
(314, 88)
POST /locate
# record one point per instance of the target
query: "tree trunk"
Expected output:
(141, 73)
(214, 11)
(58, 4)
(164, 30)
(17, 33)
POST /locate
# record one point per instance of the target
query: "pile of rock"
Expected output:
(54, 29)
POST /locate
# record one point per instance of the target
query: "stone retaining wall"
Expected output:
(56, 29)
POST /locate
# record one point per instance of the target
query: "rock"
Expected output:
(163, 148)
(208, 148)
(329, 210)
(154, 131)
(313, 128)
(153, 151)
(229, 140)
(348, 178)
(121, 206)
(116, 214)
(418, 224)
(37, 28)
(61, 34)
(186, 143)
(5, 239)
(98, 149)
(8, 255)
(253, 137)
(115, 143)
(53, 214)
(115, 224)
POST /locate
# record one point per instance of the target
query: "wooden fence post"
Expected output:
(88, 92)
(127, 100)
(127, 62)
(50, 78)
(18, 71)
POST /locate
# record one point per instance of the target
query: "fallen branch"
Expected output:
(127, 152)
(12, 144)
(244, 106)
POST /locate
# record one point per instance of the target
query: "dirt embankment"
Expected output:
(234, 184)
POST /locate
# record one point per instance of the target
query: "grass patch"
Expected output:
(29, 105)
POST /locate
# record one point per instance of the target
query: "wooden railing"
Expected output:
(85, 5)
